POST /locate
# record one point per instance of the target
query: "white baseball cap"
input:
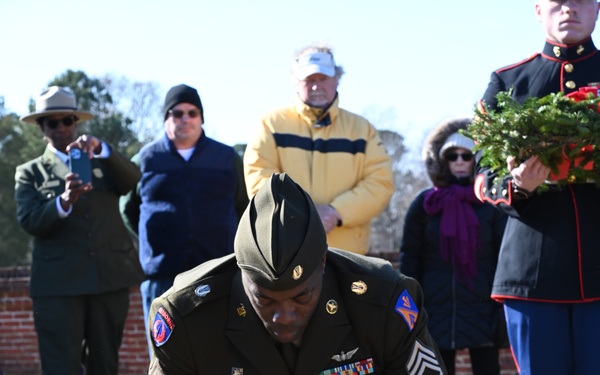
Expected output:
(314, 62)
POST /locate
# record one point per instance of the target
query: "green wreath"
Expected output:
(563, 130)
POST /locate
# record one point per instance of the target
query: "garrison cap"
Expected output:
(280, 239)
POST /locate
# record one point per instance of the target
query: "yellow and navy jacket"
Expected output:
(336, 156)
(550, 248)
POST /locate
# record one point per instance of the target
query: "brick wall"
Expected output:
(18, 340)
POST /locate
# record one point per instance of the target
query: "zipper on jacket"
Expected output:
(453, 327)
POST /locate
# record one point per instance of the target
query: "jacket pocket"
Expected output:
(49, 254)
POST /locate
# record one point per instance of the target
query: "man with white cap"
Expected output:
(335, 155)
(284, 303)
(83, 260)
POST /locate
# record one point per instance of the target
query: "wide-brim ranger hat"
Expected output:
(56, 100)
(314, 62)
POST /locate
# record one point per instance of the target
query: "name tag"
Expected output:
(51, 184)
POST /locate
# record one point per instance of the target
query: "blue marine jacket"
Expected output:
(550, 247)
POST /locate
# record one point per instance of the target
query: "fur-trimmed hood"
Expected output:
(437, 169)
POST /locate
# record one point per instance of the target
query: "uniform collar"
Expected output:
(56, 162)
(246, 331)
(60, 155)
(318, 117)
(564, 52)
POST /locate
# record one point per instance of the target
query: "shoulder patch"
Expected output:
(162, 327)
(405, 306)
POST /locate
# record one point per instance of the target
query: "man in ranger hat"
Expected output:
(83, 260)
(284, 303)
(336, 156)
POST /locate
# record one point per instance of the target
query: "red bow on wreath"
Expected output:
(563, 168)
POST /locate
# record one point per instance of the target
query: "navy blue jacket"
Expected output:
(550, 248)
(185, 212)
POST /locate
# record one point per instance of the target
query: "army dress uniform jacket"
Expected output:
(550, 248)
(90, 251)
(369, 320)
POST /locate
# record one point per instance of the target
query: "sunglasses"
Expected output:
(66, 121)
(178, 113)
(453, 156)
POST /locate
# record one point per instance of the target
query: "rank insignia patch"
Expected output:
(359, 287)
(163, 326)
(422, 360)
(406, 307)
(356, 368)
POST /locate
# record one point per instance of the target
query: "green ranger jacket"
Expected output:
(90, 251)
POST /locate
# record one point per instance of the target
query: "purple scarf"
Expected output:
(459, 227)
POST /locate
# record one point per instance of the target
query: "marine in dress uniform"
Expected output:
(548, 273)
(284, 303)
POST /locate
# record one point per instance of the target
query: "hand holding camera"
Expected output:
(79, 181)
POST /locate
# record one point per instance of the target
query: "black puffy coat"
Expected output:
(459, 317)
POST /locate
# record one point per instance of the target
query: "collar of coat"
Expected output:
(55, 165)
(571, 52)
(248, 334)
(318, 116)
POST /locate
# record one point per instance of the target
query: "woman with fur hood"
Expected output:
(450, 245)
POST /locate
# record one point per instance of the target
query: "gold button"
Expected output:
(556, 51)
(494, 191)
(570, 84)
(569, 68)
(504, 192)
